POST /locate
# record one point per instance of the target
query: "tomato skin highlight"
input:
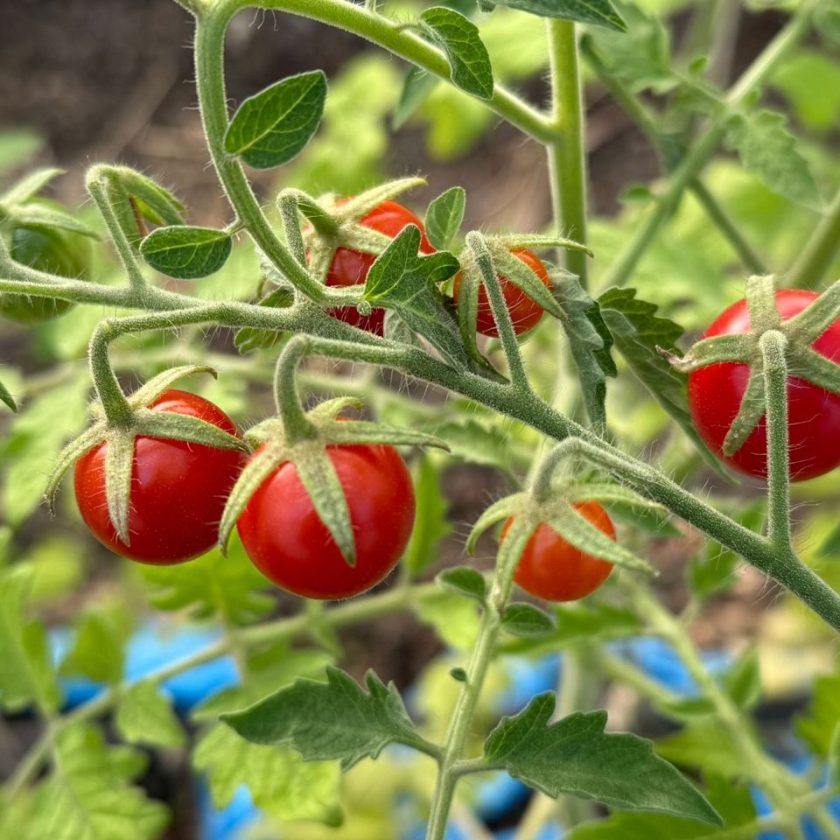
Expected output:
(287, 541)
(554, 570)
(715, 394)
(524, 312)
(178, 489)
(350, 268)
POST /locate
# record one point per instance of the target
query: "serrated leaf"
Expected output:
(404, 281)
(528, 621)
(474, 442)
(767, 149)
(336, 720)
(464, 581)
(459, 38)
(430, 523)
(576, 756)
(144, 715)
(417, 87)
(211, 586)
(817, 726)
(272, 127)
(26, 672)
(590, 341)
(598, 12)
(444, 217)
(186, 253)
(280, 782)
(87, 798)
(637, 331)
(98, 650)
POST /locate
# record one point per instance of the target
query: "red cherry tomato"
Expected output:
(715, 394)
(554, 570)
(178, 489)
(287, 541)
(524, 312)
(350, 268)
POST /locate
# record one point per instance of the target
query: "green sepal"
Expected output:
(256, 471)
(68, 456)
(119, 466)
(711, 351)
(816, 318)
(522, 276)
(609, 493)
(508, 507)
(467, 309)
(330, 409)
(150, 390)
(168, 424)
(351, 432)
(30, 185)
(583, 535)
(536, 240)
(317, 474)
(749, 414)
(364, 202)
(363, 239)
(817, 369)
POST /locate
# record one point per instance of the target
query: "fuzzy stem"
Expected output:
(296, 426)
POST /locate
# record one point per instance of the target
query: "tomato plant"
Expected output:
(525, 313)
(716, 393)
(382, 441)
(178, 489)
(287, 541)
(554, 570)
(350, 268)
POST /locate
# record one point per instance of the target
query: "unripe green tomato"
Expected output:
(46, 249)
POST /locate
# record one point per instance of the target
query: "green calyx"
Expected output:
(799, 333)
(308, 454)
(119, 439)
(331, 224)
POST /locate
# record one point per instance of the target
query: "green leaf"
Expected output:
(690, 747)
(589, 340)
(464, 581)
(528, 621)
(444, 217)
(402, 280)
(6, 398)
(211, 586)
(471, 440)
(819, 723)
(831, 545)
(454, 618)
(733, 803)
(281, 783)
(430, 523)
(767, 149)
(743, 680)
(576, 756)
(598, 12)
(336, 720)
(574, 622)
(272, 127)
(88, 797)
(33, 442)
(186, 252)
(48, 215)
(417, 86)
(154, 202)
(144, 715)
(638, 331)
(98, 651)
(26, 672)
(459, 38)
(811, 82)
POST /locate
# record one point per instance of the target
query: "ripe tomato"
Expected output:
(552, 569)
(715, 394)
(178, 489)
(290, 545)
(350, 268)
(47, 249)
(524, 312)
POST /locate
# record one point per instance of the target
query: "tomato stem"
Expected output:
(296, 426)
